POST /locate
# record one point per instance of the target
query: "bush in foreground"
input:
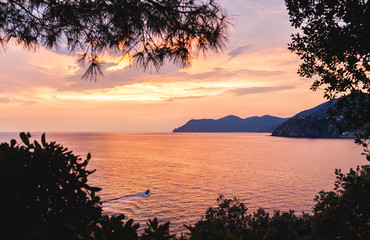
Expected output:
(230, 220)
(45, 195)
(345, 212)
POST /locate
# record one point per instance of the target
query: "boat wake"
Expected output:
(114, 205)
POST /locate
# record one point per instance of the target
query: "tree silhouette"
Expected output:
(151, 32)
(334, 44)
(45, 194)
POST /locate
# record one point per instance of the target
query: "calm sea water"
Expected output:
(187, 171)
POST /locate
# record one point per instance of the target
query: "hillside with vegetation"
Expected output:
(311, 123)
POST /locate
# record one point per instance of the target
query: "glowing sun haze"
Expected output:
(255, 75)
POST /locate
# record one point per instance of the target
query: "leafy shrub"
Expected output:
(345, 212)
(155, 231)
(45, 193)
(113, 228)
(229, 220)
(282, 226)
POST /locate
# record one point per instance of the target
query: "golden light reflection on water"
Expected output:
(186, 171)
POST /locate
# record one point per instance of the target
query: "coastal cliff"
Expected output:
(311, 127)
(311, 123)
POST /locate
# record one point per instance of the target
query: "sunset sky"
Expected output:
(254, 76)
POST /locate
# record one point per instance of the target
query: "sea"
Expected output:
(187, 172)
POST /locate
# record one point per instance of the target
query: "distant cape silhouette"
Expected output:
(232, 123)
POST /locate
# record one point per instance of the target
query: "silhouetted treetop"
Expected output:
(149, 31)
(334, 44)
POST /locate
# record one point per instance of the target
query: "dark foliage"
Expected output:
(155, 231)
(280, 225)
(334, 44)
(113, 228)
(345, 212)
(230, 220)
(150, 31)
(204, 230)
(45, 193)
(230, 213)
